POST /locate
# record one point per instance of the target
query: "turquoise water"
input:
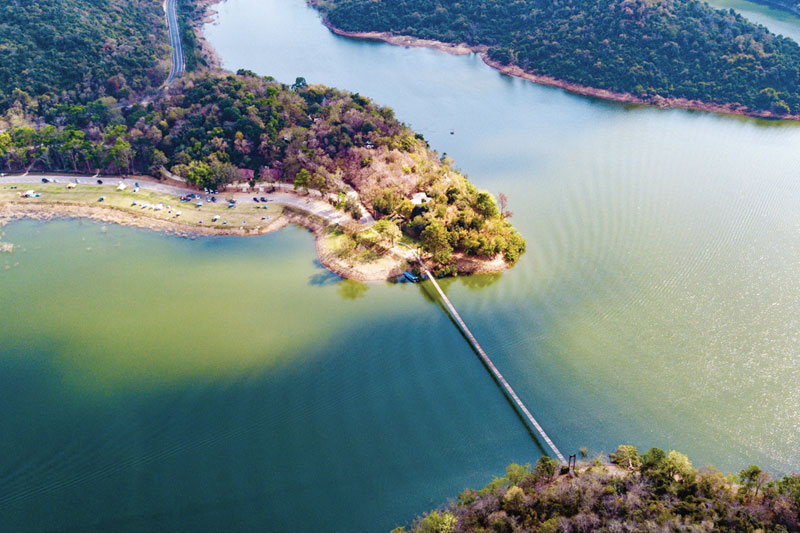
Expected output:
(152, 382)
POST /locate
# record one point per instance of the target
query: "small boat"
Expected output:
(410, 276)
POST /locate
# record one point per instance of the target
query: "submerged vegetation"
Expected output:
(670, 49)
(655, 491)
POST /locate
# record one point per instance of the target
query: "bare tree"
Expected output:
(504, 205)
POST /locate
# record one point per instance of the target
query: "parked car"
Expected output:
(45, 180)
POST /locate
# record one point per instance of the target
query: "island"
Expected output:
(380, 200)
(673, 53)
(654, 491)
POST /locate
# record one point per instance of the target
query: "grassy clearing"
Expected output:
(255, 218)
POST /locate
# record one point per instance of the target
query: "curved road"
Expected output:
(315, 206)
(178, 64)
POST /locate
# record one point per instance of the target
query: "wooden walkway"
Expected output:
(493, 369)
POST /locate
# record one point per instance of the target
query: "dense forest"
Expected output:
(72, 101)
(215, 129)
(53, 51)
(649, 49)
(654, 491)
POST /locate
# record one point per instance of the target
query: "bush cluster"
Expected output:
(655, 491)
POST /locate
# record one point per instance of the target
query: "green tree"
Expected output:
(752, 479)
(199, 173)
(626, 456)
(386, 201)
(388, 230)
(546, 467)
(678, 464)
(436, 522)
(484, 204)
(120, 154)
(434, 240)
(302, 179)
(319, 183)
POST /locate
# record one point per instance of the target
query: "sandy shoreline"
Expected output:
(390, 266)
(46, 212)
(516, 71)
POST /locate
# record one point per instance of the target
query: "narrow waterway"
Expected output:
(159, 383)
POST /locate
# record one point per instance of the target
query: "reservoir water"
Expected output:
(153, 382)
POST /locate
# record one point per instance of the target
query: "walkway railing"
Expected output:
(493, 369)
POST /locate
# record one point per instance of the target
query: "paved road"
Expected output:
(178, 64)
(311, 204)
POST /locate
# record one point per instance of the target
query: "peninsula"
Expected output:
(673, 53)
(389, 194)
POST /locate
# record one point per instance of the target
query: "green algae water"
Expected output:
(151, 382)
(159, 383)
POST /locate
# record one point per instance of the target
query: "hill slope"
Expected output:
(652, 492)
(81, 49)
(650, 49)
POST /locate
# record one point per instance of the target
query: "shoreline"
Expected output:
(10, 212)
(305, 212)
(541, 79)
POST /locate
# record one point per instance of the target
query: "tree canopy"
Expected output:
(77, 51)
(652, 492)
(650, 49)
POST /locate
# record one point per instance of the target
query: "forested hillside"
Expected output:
(215, 129)
(652, 492)
(79, 50)
(650, 49)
